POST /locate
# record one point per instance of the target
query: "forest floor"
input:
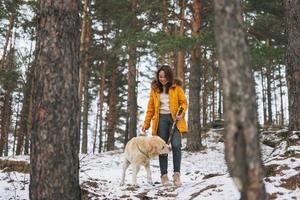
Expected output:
(204, 174)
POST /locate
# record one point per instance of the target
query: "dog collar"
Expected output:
(142, 151)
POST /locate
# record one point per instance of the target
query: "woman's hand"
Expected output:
(143, 131)
(179, 117)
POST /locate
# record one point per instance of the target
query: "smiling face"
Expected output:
(162, 77)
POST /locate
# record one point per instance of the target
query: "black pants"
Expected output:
(164, 127)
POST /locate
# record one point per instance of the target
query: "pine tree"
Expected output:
(54, 168)
(242, 150)
(292, 12)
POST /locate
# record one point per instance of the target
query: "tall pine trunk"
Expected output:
(242, 150)
(84, 73)
(132, 82)
(112, 113)
(194, 136)
(8, 34)
(205, 91)
(269, 90)
(54, 162)
(281, 98)
(24, 118)
(292, 12)
(5, 121)
(180, 68)
(101, 104)
(263, 98)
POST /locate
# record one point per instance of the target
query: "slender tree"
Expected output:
(194, 136)
(242, 150)
(101, 103)
(112, 113)
(180, 67)
(132, 81)
(292, 12)
(85, 38)
(54, 161)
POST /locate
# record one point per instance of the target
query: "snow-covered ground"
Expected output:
(204, 176)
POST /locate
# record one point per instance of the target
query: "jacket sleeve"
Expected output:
(182, 99)
(150, 111)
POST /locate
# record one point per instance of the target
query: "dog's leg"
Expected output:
(126, 164)
(135, 171)
(149, 174)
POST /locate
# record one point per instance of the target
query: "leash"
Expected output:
(179, 112)
(142, 152)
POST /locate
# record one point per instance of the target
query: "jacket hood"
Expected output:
(176, 82)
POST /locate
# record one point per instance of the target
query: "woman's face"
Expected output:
(162, 77)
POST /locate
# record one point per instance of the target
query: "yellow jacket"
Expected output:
(177, 98)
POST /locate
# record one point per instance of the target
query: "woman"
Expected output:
(166, 97)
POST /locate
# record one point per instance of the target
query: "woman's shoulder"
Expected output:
(177, 82)
(154, 84)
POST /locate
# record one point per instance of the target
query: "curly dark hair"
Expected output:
(169, 76)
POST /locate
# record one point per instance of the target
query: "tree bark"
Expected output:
(84, 73)
(205, 91)
(54, 162)
(242, 150)
(292, 13)
(166, 57)
(5, 121)
(111, 118)
(132, 82)
(269, 90)
(263, 98)
(194, 136)
(281, 98)
(7, 37)
(24, 118)
(101, 103)
(214, 80)
(180, 67)
(220, 94)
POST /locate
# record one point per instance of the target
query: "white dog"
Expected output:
(139, 151)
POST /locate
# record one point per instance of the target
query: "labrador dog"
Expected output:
(139, 151)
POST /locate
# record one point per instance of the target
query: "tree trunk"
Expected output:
(96, 128)
(18, 100)
(281, 98)
(84, 74)
(204, 91)
(132, 97)
(54, 162)
(242, 150)
(5, 122)
(83, 34)
(292, 13)
(269, 90)
(7, 37)
(214, 79)
(275, 101)
(220, 100)
(101, 103)
(24, 118)
(263, 98)
(111, 118)
(132, 82)
(194, 136)
(180, 68)
(166, 57)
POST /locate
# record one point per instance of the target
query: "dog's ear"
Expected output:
(153, 148)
